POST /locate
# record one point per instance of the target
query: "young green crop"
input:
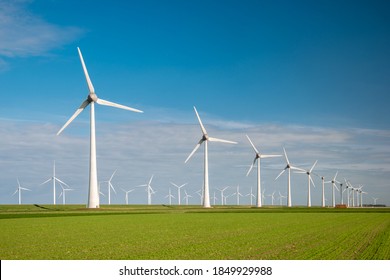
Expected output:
(141, 232)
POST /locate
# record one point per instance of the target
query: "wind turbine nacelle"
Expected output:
(92, 97)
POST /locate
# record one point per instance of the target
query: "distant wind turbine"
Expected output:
(308, 173)
(323, 191)
(222, 196)
(334, 181)
(127, 195)
(54, 179)
(63, 193)
(258, 158)
(149, 190)
(178, 191)
(288, 167)
(186, 196)
(93, 197)
(238, 194)
(251, 195)
(19, 190)
(110, 187)
(169, 196)
(205, 139)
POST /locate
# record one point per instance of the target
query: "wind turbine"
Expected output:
(272, 197)
(170, 196)
(93, 197)
(127, 195)
(149, 190)
(19, 190)
(186, 196)
(214, 199)
(258, 158)
(222, 197)
(281, 198)
(200, 193)
(334, 181)
(375, 199)
(63, 193)
(309, 172)
(110, 187)
(251, 195)
(178, 190)
(238, 194)
(205, 139)
(289, 167)
(54, 179)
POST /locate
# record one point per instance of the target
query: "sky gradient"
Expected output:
(310, 76)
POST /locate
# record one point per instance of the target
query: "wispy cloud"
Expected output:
(23, 33)
(140, 149)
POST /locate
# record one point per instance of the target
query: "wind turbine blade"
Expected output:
(89, 83)
(297, 168)
(48, 180)
(285, 156)
(151, 178)
(311, 169)
(200, 122)
(269, 156)
(312, 181)
(116, 105)
(15, 192)
(221, 140)
(280, 173)
(194, 150)
(334, 179)
(253, 146)
(78, 111)
(25, 189)
(61, 182)
(250, 169)
(112, 187)
(112, 176)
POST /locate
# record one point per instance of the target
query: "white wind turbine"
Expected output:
(110, 187)
(289, 167)
(272, 198)
(238, 194)
(127, 195)
(186, 196)
(63, 193)
(258, 158)
(222, 196)
(214, 199)
(308, 173)
(169, 196)
(205, 139)
(281, 198)
(93, 197)
(178, 190)
(54, 179)
(200, 193)
(19, 190)
(149, 190)
(251, 195)
(333, 181)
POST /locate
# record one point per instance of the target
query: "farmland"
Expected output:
(191, 232)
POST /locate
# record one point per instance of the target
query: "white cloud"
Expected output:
(139, 149)
(23, 33)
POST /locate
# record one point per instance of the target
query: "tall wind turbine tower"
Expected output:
(308, 173)
(258, 158)
(288, 167)
(205, 139)
(93, 196)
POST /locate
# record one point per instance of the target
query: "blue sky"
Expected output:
(311, 76)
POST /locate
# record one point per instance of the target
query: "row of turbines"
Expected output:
(94, 190)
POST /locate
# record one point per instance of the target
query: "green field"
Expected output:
(184, 232)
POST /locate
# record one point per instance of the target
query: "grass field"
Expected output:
(184, 232)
